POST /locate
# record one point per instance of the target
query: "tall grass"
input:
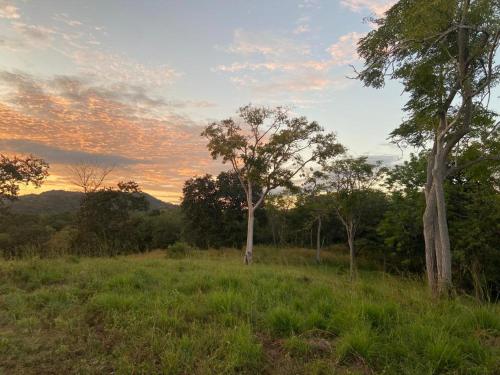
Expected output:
(207, 313)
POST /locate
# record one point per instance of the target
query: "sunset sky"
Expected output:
(131, 83)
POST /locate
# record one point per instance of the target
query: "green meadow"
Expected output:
(207, 313)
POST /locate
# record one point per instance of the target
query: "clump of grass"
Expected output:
(357, 344)
(284, 321)
(297, 347)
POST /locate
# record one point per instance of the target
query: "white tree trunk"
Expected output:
(436, 234)
(443, 237)
(430, 243)
(249, 248)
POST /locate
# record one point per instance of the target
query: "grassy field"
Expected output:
(209, 314)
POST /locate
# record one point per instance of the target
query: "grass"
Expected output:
(209, 314)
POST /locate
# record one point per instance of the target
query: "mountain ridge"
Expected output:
(62, 201)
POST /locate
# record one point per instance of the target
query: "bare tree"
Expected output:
(89, 177)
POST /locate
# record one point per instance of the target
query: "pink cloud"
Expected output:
(69, 116)
(9, 11)
(344, 50)
(377, 7)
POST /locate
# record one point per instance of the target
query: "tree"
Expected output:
(278, 207)
(214, 210)
(89, 177)
(350, 181)
(267, 148)
(104, 219)
(401, 226)
(318, 205)
(201, 211)
(444, 53)
(16, 171)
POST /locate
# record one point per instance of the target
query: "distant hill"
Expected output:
(60, 201)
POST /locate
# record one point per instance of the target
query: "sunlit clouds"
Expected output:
(68, 121)
(376, 7)
(8, 10)
(133, 86)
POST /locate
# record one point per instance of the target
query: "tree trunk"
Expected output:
(318, 241)
(436, 234)
(352, 254)
(311, 236)
(273, 228)
(429, 225)
(444, 264)
(249, 247)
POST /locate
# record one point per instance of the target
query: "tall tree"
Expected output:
(318, 205)
(267, 148)
(350, 181)
(200, 208)
(444, 53)
(104, 219)
(214, 210)
(17, 171)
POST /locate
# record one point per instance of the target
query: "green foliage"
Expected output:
(17, 171)
(265, 149)
(214, 211)
(473, 216)
(105, 225)
(179, 249)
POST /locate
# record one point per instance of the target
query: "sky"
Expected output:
(132, 83)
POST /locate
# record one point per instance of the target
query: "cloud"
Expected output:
(386, 159)
(33, 32)
(302, 25)
(9, 11)
(309, 4)
(80, 43)
(275, 66)
(300, 83)
(70, 118)
(122, 69)
(377, 7)
(287, 72)
(301, 29)
(265, 44)
(344, 50)
(57, 155)
(64, 18)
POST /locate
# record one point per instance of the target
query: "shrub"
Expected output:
(179, 250)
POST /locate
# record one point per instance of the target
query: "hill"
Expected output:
(60, 201)
(209, 314)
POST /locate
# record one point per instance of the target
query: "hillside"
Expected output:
(210, 314)
(60, 201)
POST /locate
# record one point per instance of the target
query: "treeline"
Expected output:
(105, 234)
(213, 214)
(389, 231)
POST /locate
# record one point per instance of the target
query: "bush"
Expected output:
(179, 249)
(60, 243)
